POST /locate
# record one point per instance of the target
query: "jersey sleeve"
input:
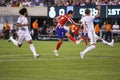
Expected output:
(81, 21)
(92, 17)
(70, 20)
(19, 20)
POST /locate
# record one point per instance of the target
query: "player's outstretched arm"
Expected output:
(98, 14)
(76, 24)
(20, 25)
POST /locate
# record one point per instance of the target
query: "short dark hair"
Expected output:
(70, 12)
(22, 11)
(87, 11)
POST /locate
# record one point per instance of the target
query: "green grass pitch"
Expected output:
(103, 63)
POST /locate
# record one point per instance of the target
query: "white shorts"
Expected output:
(93, 37)
(23, 36)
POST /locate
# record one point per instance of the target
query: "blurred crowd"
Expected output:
(35, 30)
(106, 30)
(32, 3)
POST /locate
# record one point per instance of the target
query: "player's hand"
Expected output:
(98, 7)
(55, 20)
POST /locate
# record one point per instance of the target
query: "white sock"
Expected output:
(105, 42)
(88, 49)
(14, 41)
(33, 49)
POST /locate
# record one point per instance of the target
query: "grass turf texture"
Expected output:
(103, 63)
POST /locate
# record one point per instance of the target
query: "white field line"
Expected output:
(21, 55)
(32, 59)
(16, 60)
(43, 59)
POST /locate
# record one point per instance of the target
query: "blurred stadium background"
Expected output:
(103, 63)
(45, 10)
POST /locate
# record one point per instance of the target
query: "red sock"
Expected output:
(58, 45)
(72, 39)
(85, 40)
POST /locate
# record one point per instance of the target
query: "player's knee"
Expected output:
(67, 34)
(94, 46)
(30, 42)
(60, 40)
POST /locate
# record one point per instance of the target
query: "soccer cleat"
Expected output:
(78, 41)
(56, 52)
(37, 55)
(9, 40)
(81, 55)
(112, 43)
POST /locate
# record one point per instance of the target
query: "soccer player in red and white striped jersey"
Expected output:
(61, 32)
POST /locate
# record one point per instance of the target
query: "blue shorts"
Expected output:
(60, 32)
(85, 34)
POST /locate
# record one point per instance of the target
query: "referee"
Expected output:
(35, 29)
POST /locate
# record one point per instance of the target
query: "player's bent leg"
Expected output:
(107, 43)
(59, 44)
(92, 43)
(33, 49)
(58, 47)
(91, 47)
(72, 38)
(13, 41)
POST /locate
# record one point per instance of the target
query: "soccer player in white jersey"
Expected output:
(23, 33)
(87, 21)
